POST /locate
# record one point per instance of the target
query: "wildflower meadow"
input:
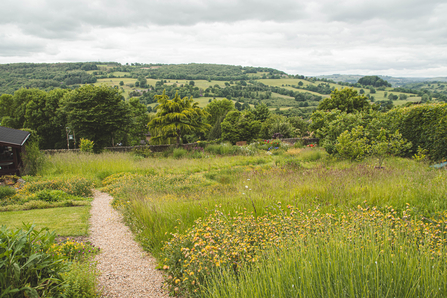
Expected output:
(272, 219)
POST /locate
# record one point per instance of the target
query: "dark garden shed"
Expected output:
(12, 143)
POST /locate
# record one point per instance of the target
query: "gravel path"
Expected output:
(126, 270)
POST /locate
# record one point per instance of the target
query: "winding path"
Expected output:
(126, 270)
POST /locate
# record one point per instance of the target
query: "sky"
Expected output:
(406, 38)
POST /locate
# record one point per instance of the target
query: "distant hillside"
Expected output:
(394, 81)
(290, 95)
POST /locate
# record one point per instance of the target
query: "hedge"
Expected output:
(425, 126)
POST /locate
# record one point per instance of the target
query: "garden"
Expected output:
(266, 219)
(363, 213)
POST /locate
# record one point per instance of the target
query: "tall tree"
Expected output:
(44, 116)
(178, 116)
(346, 100)
(96, 113)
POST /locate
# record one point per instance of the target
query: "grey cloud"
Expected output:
(59, 19)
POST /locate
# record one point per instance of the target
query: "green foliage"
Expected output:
(421, 155)
(179, 153)
(328, 126)
(374, 81)
(27, 270)
(139, 119)
(177, 117)
(425, 126)
(216, 130)
(82, 280)
(52, 195)
(221, 149)
(261, 112)
(33, 159)
(142, 151)
(217, 110)
(77, 186)
(367, 257)
(281, 127)
(86, 145)
(386, 144)
(240, 126)
(6, 191)
(14, 76)
(96, 113)
(300, 126)
(353, 144)
(346, 100)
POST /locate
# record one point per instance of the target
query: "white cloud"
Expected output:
(402, 37)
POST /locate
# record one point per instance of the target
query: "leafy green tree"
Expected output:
(121, 83)
(14, 113)
(238, 106)
(143, 82)
(353, 144)
(97, 114)
(246, 106)
(139, 119)
(218, 108)
(386, 144)
(261, 112)
(43, 115)
(373, 81)
(346, 100)
(300, 126)
(177, 117)
(240, 126)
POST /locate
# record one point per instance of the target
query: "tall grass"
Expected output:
(337, 268)
(100, 166)
(162, 197)
(155, 205)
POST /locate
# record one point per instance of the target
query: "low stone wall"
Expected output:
(305, 141)
(54, 151)
(161, 148)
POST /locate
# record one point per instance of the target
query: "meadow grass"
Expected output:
(170, 201)
(336, 268)
(175, 196)
(70, 221)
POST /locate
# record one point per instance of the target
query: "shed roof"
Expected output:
(15, 137)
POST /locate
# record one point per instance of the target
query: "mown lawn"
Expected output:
(67, 221)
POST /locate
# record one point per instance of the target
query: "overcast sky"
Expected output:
(383, 37)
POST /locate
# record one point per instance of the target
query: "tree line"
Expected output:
(99, 114)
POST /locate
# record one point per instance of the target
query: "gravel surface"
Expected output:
(126, 270)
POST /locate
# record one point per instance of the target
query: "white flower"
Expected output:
(246, 186)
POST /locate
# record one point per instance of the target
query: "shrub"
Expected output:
(6, 191)
(81, 280)
(424, 126)
(222, 149)
(77, 186)
(27, 270)
(179, 153)
(33, 160)
(353, 144)
(86, 145)
(143, 151)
